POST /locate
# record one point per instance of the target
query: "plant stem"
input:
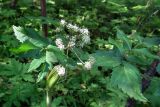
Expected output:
(44, 14)
(14, 3)
(48, 98)
(78, 57)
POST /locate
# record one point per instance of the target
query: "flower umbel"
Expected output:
(63, 22)
(72, 41)
(83, 33)
(60, 70)
(59, 43)
(88, 64)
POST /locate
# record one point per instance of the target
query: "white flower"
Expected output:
(85, 40)
(88, 64)
(60, 70)
(84, 31)
(69, 26)
(92, 59)
(75, 28)
(85, 36)
(58, 29)
(72, 42)
(59, 43)
(63, 22)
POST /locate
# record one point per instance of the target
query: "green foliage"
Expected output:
(153, 92)
(127, 78)
(36, 63)
(124, 42)
(32, 36)
(13, 68)
(158, 68)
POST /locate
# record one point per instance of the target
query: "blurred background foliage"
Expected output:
(18, 88)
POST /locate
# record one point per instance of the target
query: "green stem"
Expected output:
(48, 98)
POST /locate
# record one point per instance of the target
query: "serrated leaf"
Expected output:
(127, 78)
(13, 68)
(121, 35)
(24, 34)
(28, 78)
(19, 34)
(21, 92)
(36, 63)
(153, 92)
(145, 52)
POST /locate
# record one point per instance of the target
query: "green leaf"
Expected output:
(138, 60)
(28, 34)
(28, 77)
(153, 92)
(139, 7)
(21, 92)
(13, 68)
(127, 78)
(36, 63)
(20, 35)
(61, 57)
(43, 72)
(145, 52)
(24, 48)
(56, 102)
(106, 59)
(41, 75)
(50, 58)
(151, 41)
(117, 44)
(121, 35)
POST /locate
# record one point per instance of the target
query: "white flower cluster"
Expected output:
(84, 33)
(59, 43)
(60, 70)
(63, 22)
(72, 41)
(88, 64)
(75, 28)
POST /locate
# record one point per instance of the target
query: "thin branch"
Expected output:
(78, 56)
(44, 14)
(14, 3)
